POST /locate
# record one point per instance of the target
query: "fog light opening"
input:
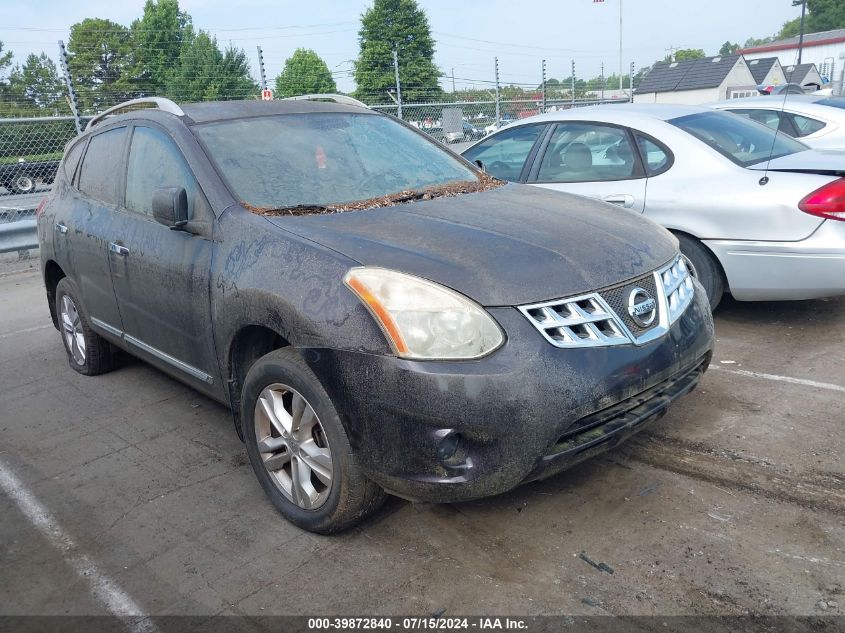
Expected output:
(447, 449)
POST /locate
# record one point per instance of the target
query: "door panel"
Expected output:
(161, 276)
(86, 231)
(594, 160)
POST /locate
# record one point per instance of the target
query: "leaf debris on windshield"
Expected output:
(485, 182)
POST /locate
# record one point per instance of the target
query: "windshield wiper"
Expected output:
(294, 209)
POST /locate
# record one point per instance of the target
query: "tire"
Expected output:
(23, 183)
(707, 269)
(87, 352)
(335, 494)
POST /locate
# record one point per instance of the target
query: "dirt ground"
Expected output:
(733, 503)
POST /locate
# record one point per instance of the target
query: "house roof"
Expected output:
(692, 74)
(810, 39)
(798, 74)
(760, 67)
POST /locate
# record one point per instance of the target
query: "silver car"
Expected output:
(819, 121)
(758, 213)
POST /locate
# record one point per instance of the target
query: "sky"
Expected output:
(468, 33)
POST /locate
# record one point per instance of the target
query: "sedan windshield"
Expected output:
(327, 159)
(743, 141)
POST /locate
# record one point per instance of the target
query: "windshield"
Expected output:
(743, 141)
(325, 159)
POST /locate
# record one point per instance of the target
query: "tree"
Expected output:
(685, 54)
(401, 26)
(824, 15)
(157, 41)
(790, 28)
(99, 58)
(304, 73)
(38, 83)
(204, 73)
(728, 48)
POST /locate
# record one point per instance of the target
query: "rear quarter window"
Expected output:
(71, 160)
(100, 171)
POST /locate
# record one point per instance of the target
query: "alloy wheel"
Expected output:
(293, 446)
(72, 330)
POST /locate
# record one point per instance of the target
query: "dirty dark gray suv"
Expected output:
(379, 315)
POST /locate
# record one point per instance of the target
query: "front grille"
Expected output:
(605, 317)
(617, 299)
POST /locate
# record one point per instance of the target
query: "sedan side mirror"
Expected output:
(170, 207)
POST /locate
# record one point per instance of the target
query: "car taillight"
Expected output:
(40, 208)
(827, 202)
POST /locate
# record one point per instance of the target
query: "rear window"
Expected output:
(326, 159)
(100, 170)
(742, 141)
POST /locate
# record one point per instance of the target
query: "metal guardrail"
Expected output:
(18, 231)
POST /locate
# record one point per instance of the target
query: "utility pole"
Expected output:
(71, 93)
(543, 107)
(261, 68)
(498, 110)
(602, 81)
(453, 80)
(620, 44)
(573, 82)
(801, 35)
(631, 82)
(398, 87)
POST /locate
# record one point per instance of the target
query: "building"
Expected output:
(806, 75)
(697, 81)
(766, 71)
(826, 50)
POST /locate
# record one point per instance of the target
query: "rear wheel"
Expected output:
(298, 447)
(22, 183)
(707, 269)
(87, 352)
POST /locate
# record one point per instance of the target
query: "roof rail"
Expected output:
(343, 99)
(158, 102)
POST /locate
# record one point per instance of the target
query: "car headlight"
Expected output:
(422, 319)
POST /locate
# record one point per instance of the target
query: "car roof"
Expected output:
(220, 110)
(618, 112)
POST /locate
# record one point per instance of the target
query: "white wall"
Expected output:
(809, 55)
(685, 97)
(739, 78)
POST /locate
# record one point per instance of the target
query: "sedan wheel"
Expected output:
(23, 184)
(293, 446)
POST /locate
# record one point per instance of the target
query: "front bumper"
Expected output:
(775, 271)
(525, 412)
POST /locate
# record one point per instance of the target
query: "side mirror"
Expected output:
(480, 165)
(170, 207)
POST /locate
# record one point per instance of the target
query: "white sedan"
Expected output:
(759, 214)
(817, 120)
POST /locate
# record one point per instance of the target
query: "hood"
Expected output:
(829, 162)
(508, 246)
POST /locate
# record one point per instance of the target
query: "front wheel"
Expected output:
(298, 447)
(706, 268)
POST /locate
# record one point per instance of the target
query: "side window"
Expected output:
(154, 163)
(655, 157)
(805, 126)
(769, 118)
(72, 159)
(581, 152)
(505, 153)
(100, 170)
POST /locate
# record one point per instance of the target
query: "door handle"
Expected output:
(117, 249)
(624, 200)
(61, 228)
